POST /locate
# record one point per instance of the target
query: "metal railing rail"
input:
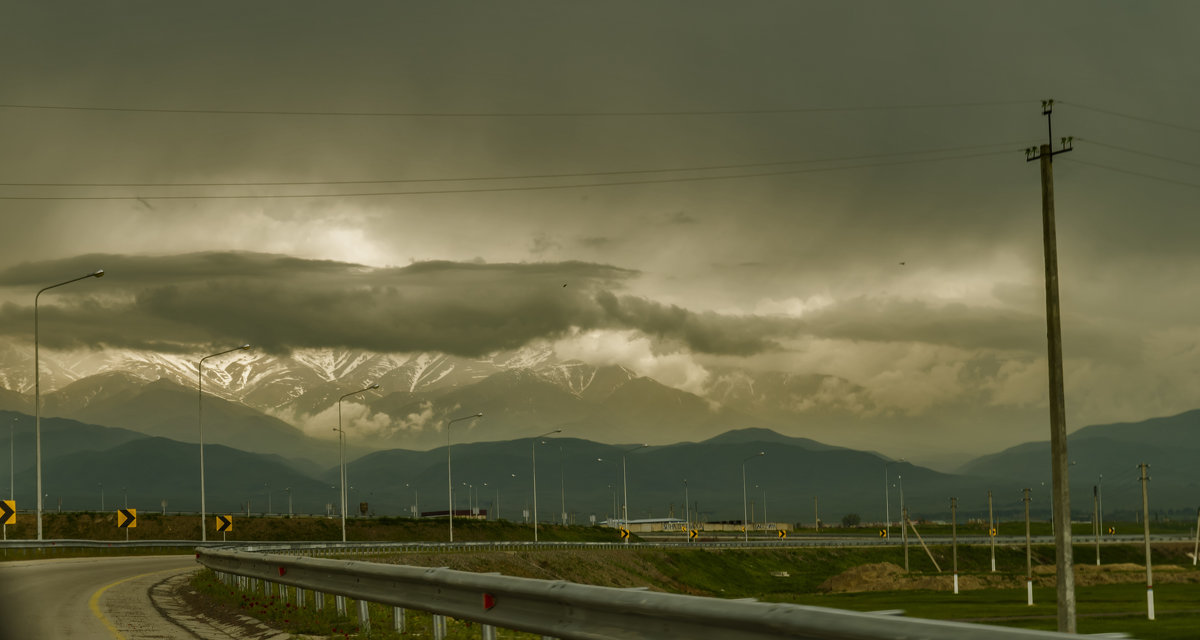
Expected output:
(575, 611)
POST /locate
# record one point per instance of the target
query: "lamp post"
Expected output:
(342, 452)
(37, 389)
(268, 487)
(887, 509)
(289, 492)
(625, 487)
(101, 496)
(449, 479)
(200, 429)
(745, 524)
(687, 514)
(533, 456)
(562, 486)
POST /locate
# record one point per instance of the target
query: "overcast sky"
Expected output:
(885, 227)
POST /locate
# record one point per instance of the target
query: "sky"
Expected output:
(821, 188)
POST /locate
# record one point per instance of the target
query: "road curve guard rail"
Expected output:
(567, 610)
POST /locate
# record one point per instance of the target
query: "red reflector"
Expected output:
(282, 571)
(489, 601)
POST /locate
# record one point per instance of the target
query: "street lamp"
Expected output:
(625, 486)
(101, 497)
(562, 485)
(200, 429)
(745, 527)
(342, 452)
(533, 451)
(289, 492)
(37, 389)
(449, 481)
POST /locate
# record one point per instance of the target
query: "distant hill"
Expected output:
(1170, 445)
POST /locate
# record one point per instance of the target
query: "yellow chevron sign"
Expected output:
(224, 523)
(127, 518)
(624, 534)
(692, 535)
(782, 533)
(8, 512)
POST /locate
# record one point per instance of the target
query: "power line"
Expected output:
(1136, 173)
(510, 114)
(514, 188)
(511, 177)
(1140, 153)
(1118, 114)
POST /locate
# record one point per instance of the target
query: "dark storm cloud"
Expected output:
(280, 303)
(703, 332)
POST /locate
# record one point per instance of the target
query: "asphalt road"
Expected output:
(87, 598)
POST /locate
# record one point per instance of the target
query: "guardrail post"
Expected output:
(398, 621)
(267, 588)
(299, 597)
(439, 627)
(487, 632)
(340, 603)
(283, 593)
(364, 617)
(319, 598)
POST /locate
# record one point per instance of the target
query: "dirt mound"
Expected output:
(885, 576)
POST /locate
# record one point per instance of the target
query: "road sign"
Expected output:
(1112, 531)
(782, 533)
(883, 533)
(127, 518)
(624, 533)
(693, 534)
(992, 533)
(8, 512)
(224, 523)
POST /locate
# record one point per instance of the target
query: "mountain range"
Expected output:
(794, 480)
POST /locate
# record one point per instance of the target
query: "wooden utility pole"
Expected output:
(1064, 562)
(1146, 524)
(954, 538)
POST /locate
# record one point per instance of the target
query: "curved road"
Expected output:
(87, 598)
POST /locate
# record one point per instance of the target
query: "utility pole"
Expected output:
(1196, 551)
(992, 531)
(904, 535)
(1096, 519)
(954, 538)
(1028, 554)
(816, 516)
(1064, 563)
(1146, 527)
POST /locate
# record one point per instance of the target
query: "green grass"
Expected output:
(1100, 609)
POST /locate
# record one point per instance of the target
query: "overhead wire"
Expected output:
(1133, 173)
(1140, 153)
(508, 114)
(517, 188)
(1128, 116)
(580, 174)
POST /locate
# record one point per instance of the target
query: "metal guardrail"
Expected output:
(572, 611)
